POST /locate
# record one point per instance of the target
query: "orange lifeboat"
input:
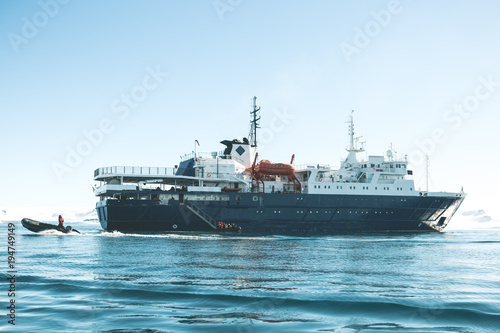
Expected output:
(268, 168)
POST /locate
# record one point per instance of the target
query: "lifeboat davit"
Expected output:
(268, 168)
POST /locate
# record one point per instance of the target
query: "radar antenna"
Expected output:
(254, 123)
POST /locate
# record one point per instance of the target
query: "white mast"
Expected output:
(353, 149)
(351, 130)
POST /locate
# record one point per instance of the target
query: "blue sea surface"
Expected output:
(201, 282)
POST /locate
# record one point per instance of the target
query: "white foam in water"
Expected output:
(53, 232)
(111, 234)
(167, 235)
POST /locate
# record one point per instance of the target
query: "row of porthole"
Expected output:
(326, 212)
(364, 188)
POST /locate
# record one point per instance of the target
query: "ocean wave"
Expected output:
(121, 299)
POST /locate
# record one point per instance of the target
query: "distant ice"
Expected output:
(49, 214)
(473, 219)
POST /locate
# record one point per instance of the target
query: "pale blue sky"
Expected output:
(65, 78)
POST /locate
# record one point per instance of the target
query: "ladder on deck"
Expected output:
(201, 214)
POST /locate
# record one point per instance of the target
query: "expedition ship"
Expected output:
(211, 191)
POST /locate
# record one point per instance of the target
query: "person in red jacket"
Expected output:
(61, 222)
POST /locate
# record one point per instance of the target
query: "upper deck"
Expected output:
(132, 174)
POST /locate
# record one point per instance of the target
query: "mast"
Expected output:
(254, 123)
(351, 130)
(353, 147)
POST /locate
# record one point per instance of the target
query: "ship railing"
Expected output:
(199, 155)
(211, 155)
(134, 171)
(311, 166)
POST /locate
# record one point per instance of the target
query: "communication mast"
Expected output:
(254, 123)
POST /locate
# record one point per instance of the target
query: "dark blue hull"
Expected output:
(284, 213)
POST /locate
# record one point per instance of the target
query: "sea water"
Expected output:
(202, 282)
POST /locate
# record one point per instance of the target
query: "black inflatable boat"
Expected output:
(36, 226)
